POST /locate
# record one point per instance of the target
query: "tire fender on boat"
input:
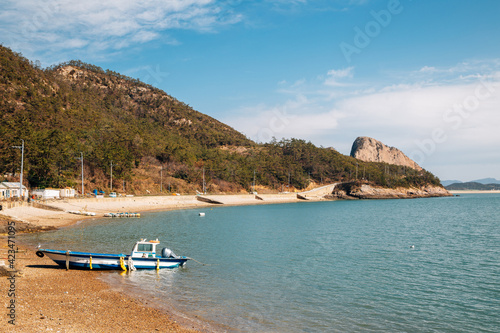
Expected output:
(40, 254)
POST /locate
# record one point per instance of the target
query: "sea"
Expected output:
(414, 265)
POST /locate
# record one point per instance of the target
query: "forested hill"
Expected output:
(146, 134)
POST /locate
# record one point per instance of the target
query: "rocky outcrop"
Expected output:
(371, 150)
(355, 190)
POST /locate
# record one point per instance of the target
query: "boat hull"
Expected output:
(84, 260)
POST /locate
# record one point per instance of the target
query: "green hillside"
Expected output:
(76, 107)
(473, 186)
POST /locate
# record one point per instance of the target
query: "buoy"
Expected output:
(412, 246)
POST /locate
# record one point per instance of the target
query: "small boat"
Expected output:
(79, 212)
(122, 215)
(143, 256)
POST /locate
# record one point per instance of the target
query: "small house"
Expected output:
(11, 190)
(3, 191)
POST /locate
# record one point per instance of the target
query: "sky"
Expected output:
(422, 76)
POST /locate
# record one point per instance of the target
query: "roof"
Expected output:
(11, 185)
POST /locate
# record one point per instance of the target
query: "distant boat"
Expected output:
(143, 256)
(79, 212)
(122, 215)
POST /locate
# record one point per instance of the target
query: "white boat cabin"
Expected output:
(147, 249)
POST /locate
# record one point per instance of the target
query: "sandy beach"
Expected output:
(60, 216)
(49, 298)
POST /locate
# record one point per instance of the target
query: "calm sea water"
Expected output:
(422, 265)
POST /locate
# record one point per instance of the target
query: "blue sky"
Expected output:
(421, 75)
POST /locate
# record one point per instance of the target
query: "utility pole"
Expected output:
(22, 166)
(253, 191)
(81, 160)
(204, 190)
(161, 179)
(111, 183)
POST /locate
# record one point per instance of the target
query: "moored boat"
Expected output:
(122, 215)
(143, 256)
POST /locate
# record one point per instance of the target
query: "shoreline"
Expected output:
(42, 274)
(80, 298)
(58, 215)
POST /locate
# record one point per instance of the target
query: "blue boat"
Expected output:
(143, 256)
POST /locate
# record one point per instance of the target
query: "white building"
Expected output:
(11, 190)
(46, 193)
(67, 192)
(54, 193)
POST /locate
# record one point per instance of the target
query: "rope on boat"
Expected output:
(90, 262)
(199, 262)
(67, 260)
(130, 263)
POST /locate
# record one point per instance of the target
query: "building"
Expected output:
(3, 191)
(11, 190)
(54, 193)
(67, 192)
(46, 193)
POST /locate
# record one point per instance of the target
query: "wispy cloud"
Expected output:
(36, 26)
(334, 77)
(426, 118)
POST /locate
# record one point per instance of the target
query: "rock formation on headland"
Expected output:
(358, 190)
(371, 150)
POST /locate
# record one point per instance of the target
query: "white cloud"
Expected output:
(296, 118)
(434, 121)
(335, 76)
(34, 26)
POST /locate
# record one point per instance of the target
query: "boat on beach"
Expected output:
(143, 256)
(122, 215)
